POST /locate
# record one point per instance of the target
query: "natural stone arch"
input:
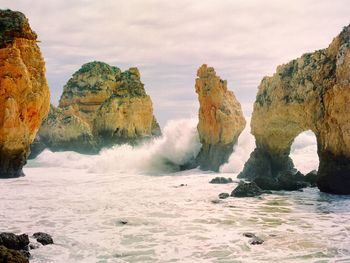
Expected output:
(309, 93)
(304, 153)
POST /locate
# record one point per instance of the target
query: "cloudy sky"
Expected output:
(243, 40)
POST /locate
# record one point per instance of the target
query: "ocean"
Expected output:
(132, 204)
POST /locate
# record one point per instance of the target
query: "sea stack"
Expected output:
(309, 93)
(100, 106)
(221, 119)
(24, 93)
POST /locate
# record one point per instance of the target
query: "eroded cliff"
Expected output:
(24, 93)
(221, 119)
(100, 106)
(309, 93)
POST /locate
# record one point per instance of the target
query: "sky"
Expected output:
(244, 40)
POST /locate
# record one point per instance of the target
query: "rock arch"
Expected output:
(309, 93)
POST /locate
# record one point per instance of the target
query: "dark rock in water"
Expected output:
(11, 256)
(34, 246)
(43, 238)
(12, 241)
(181, 185)
(249, 234)
(256, 241)
(291, 181)
(224, 195)
(311, 178)
(287, 180)
(246, 190)
(221, 180)
(216, 201)
(123, 222)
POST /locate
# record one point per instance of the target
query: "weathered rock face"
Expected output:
(126, 116)
(221, 119)
(62, 130)
(88, 89)
(24, 93)
(309, 93)
(100, 106)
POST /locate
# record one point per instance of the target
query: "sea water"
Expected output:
(133, 205)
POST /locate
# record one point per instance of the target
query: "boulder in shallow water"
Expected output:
(221, 180)
(13, 241)
(43, 238)
(224, 195)
(246, 189)
(256, 241)
(288, 181)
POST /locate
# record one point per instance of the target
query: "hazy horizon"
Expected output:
(168, 41)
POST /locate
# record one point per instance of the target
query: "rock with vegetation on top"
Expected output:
(24, 93)
(309, 93)
(100, 106)
(126, 116)
(221, 119)
(12, 256)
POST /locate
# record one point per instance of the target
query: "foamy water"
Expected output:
(82, 200)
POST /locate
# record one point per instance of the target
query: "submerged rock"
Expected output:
(100, 106)
(221, 119)
(224, 195)
(43, 238)
(221, 180)
(249, 234)
(245, 189)
(256, 241)
(308, 93)
(24, 93)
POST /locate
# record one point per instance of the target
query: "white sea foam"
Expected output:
(178, 145)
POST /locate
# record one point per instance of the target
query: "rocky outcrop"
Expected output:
(100, 106)
(126, 116)
(24, 93)
(11, 256)
(309, 93)
(14, 248)
(62, 130)
(221, 119)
